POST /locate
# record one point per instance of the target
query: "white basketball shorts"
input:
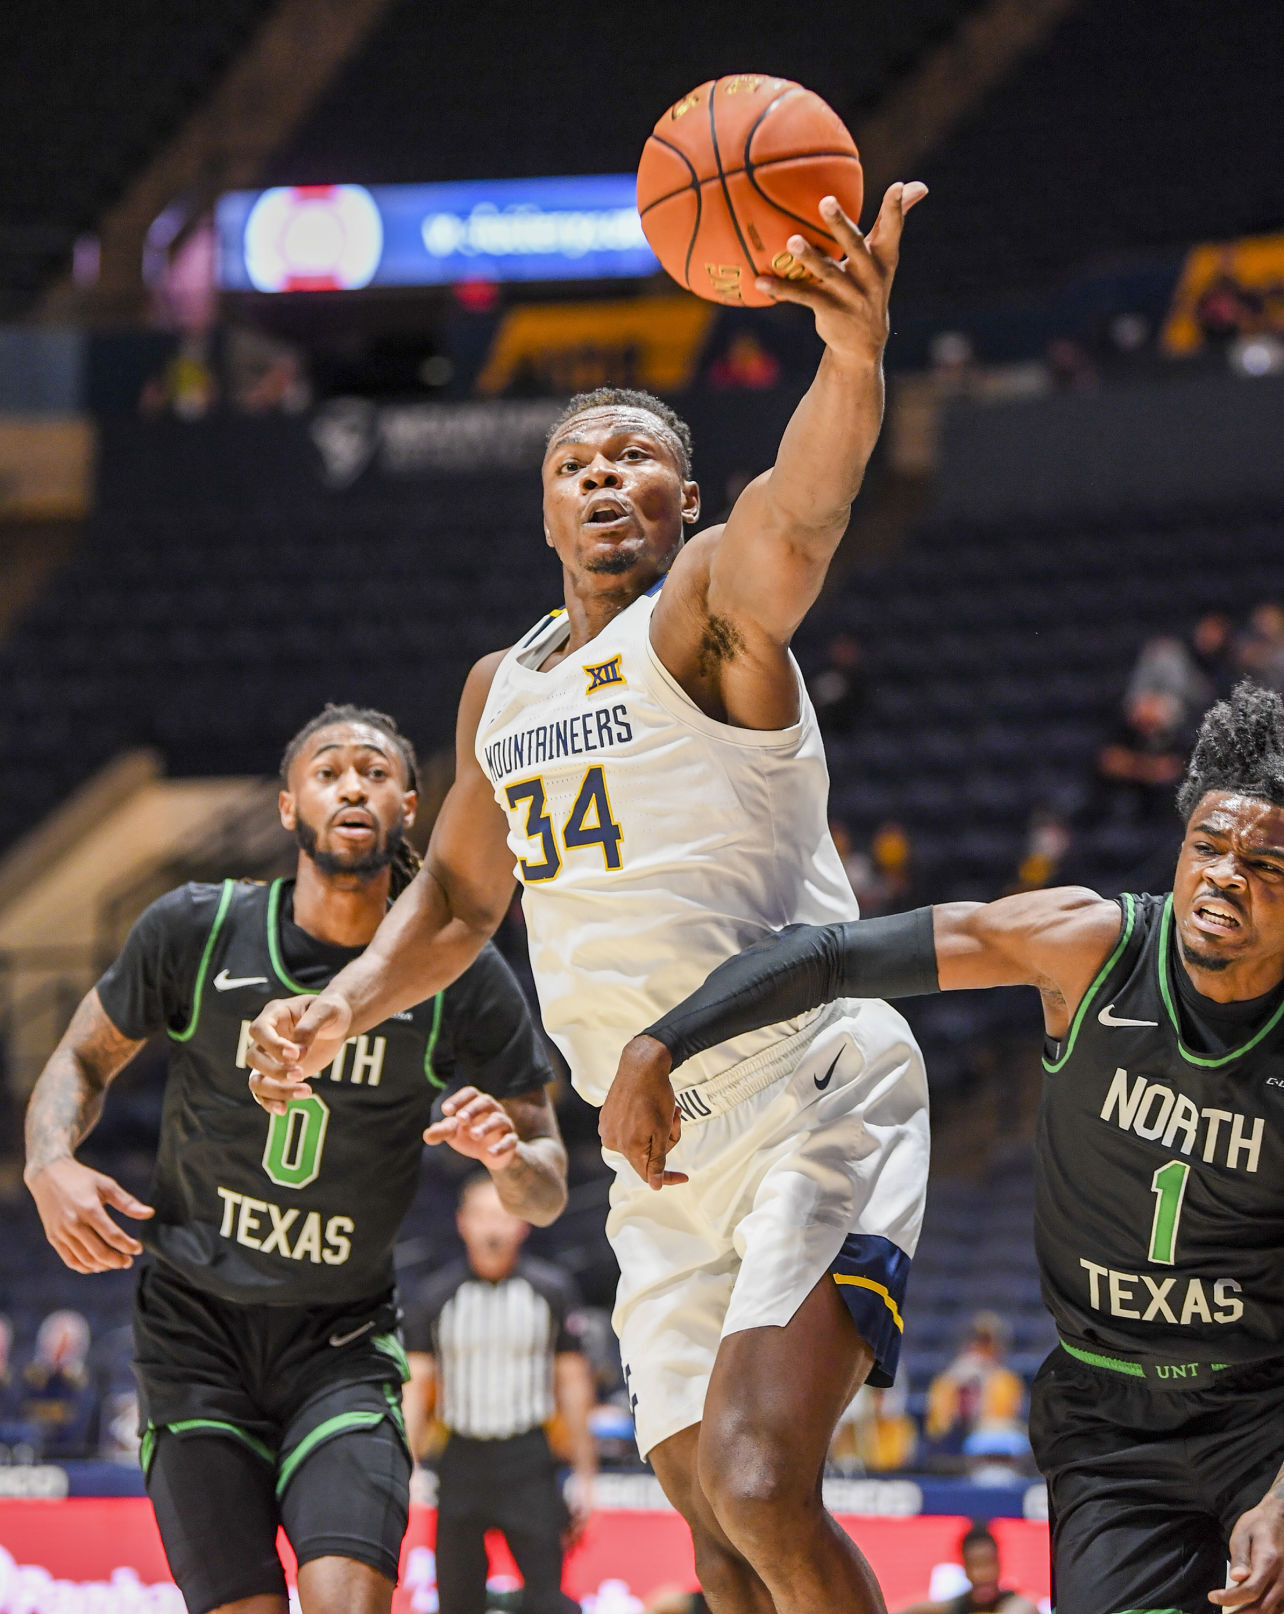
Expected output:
(809, 1158)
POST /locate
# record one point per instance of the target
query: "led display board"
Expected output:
(346, 237)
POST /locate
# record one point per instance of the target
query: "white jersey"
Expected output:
(652, 842)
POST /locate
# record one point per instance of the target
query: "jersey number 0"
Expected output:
(589, 823)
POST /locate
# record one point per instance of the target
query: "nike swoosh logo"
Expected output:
(223, 982)
(347, 1339)
(1109, 1019)
(822, 1082)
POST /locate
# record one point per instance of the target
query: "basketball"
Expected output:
(735, 168)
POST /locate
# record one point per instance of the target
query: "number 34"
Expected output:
(589, 823)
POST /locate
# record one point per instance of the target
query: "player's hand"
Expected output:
(292, 1039)
(641, 1119)
(1257, 1561)
(72, 1202)
(578, 1495)
(849, 299)
(477, 1125)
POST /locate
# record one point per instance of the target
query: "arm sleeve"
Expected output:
(493, 1036)
(150, 985)
(798, 969)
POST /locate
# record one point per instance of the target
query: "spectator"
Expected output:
(1167, 666)
(57, 1397)
(1139, 766)
(16, 1434)
(976, 1390)
(492, 1337)
(876, 1434)
(1213, 651)
(840, 690)
(1048, 841)
(745, 364)
(1260, 651)
(979, 1554)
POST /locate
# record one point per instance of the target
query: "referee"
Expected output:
(491, 1336)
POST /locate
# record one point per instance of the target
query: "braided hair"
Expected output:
(1240, 748)
(406, 862)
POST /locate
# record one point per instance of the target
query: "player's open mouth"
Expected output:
(1215, 918)
(606, 513)
(354, 825)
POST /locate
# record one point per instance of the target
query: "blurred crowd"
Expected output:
(49, 1404)
(1135, 772)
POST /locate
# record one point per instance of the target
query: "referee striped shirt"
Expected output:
(494, 1345)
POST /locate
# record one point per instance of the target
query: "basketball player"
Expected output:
(267, 1354)
(649, 759)
(1159, 1204)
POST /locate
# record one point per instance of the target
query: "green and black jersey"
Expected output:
(1159, 1203)
(299, 1209)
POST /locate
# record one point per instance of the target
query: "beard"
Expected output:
(1201, 961)
(614, 565)
(364, 867)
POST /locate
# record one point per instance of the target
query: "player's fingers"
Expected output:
(499, 1151)
(490, 1124)
(844, 230)
(456, 1101)
(810, 293)
(113, 1236)
(482, 1105)
(121, 1198)
(69, 1258)
(819, 265)
(95, 1255)
(442, 1131)
(884, 240)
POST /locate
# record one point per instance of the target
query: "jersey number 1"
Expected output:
(589, 823)
(1169, 1186)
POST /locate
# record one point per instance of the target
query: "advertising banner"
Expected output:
(296, 238)
(103, 1556)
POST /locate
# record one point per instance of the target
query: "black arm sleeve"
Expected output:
(150, 985)
(798, 969)
(494, 1043)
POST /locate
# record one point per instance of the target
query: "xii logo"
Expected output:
(606, 672)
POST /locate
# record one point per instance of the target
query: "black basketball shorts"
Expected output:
(255, 1417)
(1146, 1484)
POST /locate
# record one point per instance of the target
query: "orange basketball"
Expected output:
(731, 171)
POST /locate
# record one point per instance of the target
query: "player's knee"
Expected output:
(757, 1494)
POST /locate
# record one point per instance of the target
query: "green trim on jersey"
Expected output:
(274, 945)
(1130, 917)
(147, 1449)
(391, 1346)
(1134, 1370)
(224, 903)
(1116, 1364)
(1204, 1061)
(339, 1424)
(430, 1047)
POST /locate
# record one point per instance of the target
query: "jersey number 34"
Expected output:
(589, 823)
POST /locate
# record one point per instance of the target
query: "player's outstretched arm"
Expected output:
(64, 1108)
(1053, 940)
(774, 551)
(432, 933)
(519, 1142)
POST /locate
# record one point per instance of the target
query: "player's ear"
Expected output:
(410, 806)
(548, 536)
(690, 502)
(285, 806)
